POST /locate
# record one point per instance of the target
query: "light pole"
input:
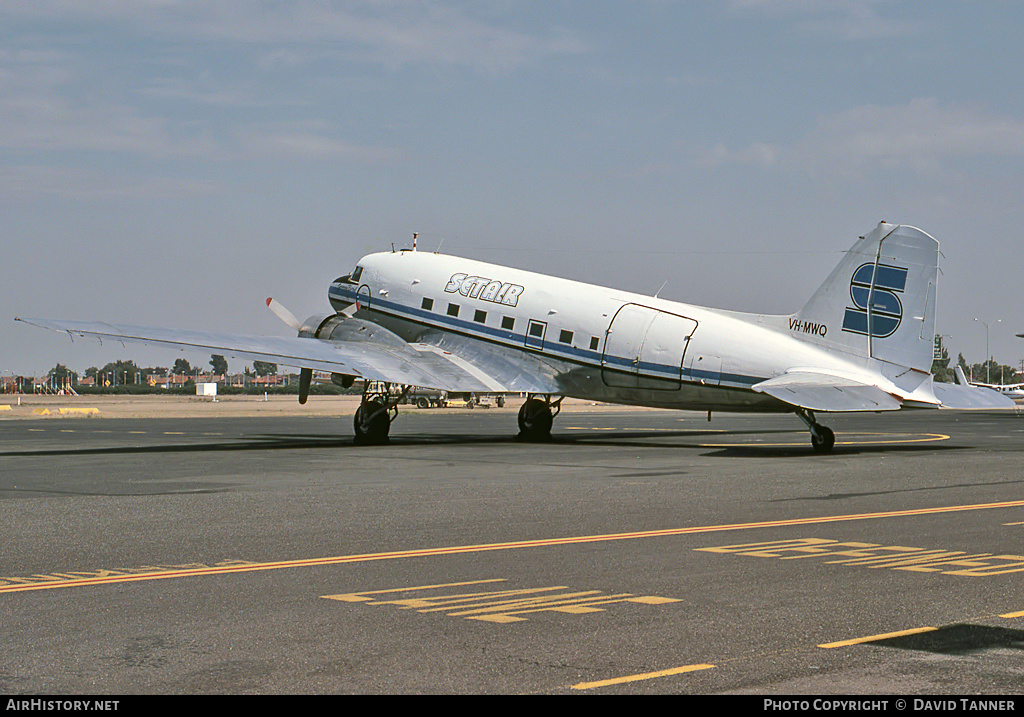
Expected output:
(988, 366)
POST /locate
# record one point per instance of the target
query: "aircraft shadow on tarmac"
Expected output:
(959, 639)
(782, 443)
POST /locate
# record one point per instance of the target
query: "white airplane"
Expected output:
(1012, 390)
(862, 343)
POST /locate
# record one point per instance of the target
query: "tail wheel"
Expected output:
(371, 424)
(535, 419)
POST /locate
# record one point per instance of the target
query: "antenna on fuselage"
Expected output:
(414, 235)
(660, 288)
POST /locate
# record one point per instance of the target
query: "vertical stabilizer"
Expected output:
(880, 301)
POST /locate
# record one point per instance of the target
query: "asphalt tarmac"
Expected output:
(638, 552)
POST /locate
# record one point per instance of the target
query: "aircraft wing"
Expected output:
(391, 360)
(827, 392)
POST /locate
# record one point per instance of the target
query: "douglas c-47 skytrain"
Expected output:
(862, 343)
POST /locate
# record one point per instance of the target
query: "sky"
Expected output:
(175, 162)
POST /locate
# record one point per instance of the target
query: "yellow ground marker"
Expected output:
(642, 676)
(44, 582)
(877, 638)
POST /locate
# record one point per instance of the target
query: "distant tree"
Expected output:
(263, 368)
(60, 375)
(121, 372)
(220, 365)
(181, 367)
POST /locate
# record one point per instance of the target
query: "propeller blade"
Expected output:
(282, 313)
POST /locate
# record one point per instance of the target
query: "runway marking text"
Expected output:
(499, 606)
(873, 555)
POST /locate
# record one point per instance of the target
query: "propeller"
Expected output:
(305, 374)
(282, 313)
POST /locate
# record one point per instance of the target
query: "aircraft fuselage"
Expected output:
(544, 334)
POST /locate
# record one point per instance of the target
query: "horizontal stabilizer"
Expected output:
(827, 392)
(967, 396)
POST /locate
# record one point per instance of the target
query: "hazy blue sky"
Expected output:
(175, 162)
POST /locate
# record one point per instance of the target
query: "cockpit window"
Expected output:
(356, 273)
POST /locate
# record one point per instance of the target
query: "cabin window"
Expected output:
(427, 304)
(480, 316)
(508, 323)
(565, 337)
(453, 309)
(536, 329)
(593, 343)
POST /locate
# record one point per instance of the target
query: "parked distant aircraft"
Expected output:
(862, 343)
(1011, 390)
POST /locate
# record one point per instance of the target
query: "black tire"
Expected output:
(822, 439)
(535, 420)
(423, 402)
(372, 432)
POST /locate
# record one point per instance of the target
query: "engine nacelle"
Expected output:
(319, 326)
(339, 327)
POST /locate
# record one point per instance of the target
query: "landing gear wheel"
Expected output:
(371, 424)
(822, 438)
(535, 419)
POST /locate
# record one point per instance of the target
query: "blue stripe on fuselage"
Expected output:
(509, 339)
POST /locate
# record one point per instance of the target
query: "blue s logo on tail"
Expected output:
(886, 308)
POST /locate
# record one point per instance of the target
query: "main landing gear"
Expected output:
(536, 417)
(376, 411)
(822, 437)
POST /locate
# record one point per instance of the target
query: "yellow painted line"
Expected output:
(1013, 614)
(642, 676)
(361, 597)
(922, 438)
(876, 638)
(45, 582)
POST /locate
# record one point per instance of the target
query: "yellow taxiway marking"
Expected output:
(894, 439)
(499, 606)
(641, 676)
(1013, 614)
(877, 638)
(60, 580)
